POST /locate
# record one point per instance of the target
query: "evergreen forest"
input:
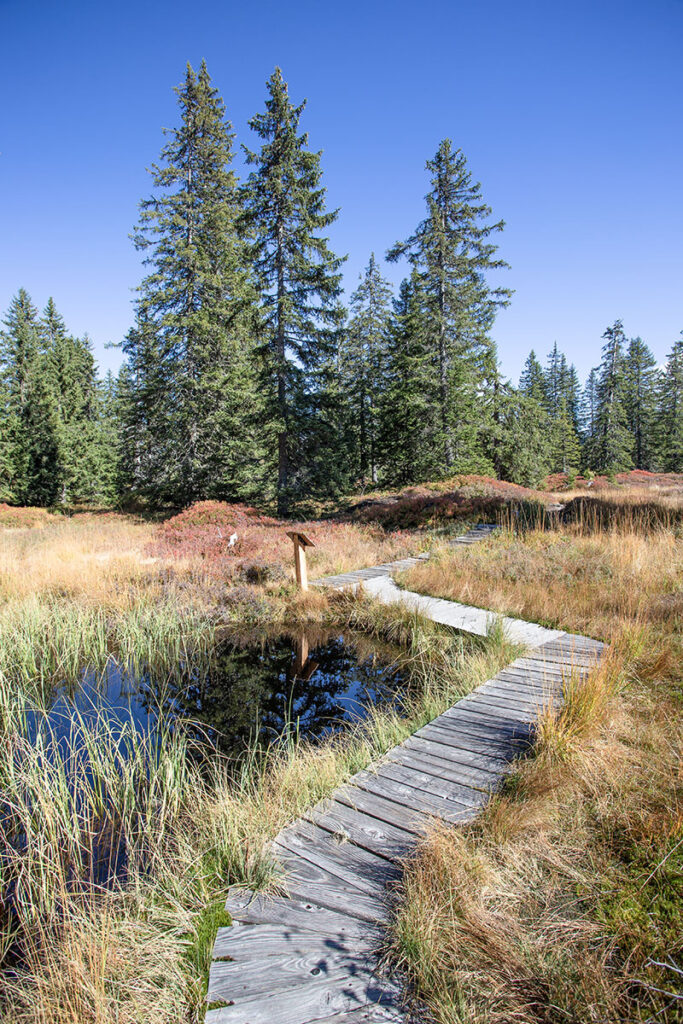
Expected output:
(246, 378)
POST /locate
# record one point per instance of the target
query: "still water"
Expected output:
(248, 692)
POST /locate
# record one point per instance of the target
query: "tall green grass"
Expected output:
(50, 639)
(115, 842)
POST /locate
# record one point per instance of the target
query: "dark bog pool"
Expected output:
(248, 692)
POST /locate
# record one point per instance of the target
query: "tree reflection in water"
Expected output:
(311, 683)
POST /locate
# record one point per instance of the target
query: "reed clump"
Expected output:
(115, 842)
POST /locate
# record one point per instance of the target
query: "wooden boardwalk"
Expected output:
(313, 954)
(386, 569)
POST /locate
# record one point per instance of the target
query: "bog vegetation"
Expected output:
(562, 902)
(248, 395)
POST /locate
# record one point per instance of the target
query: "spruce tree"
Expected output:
(589, 415)
(192, 390)
(613, 442)
(408, 406)
(640, 401)
(553, 381)
(570, 393)
(532, 380)
(452, 251)
(32, 456)
(566, 447)
(363, 365)
(299, 283)
(670, 419)
(84, 457)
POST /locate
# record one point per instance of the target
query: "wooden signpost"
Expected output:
(301, 542)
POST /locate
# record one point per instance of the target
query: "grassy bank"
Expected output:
(563, 902)
(592, 583)
(137, 947)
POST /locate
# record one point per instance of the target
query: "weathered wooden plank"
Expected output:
(469, 717)
(260, 941)
(517, 695)
(535, 686)
(436, 785)
(498, 746)
(292, 853)
(389, 811)
(456, 755)
(366, 1015)
(249, 908)
(507, 705)
(535, 681)
(503, 706)
(304, 880)
(463, 726)
(549, 669)
(537, 668)
(577, 640)
(382, 838)
(244, 979)
(350, 862)
(562, 654)
(449, 771)
(534, 706)
(313, 1002)
(408, 796)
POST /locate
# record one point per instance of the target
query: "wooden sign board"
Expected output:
(301, 542)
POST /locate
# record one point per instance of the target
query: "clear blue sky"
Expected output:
(570, 115)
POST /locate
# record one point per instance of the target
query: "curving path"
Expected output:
(314, 954)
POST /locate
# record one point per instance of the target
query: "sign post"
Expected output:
(301, 542)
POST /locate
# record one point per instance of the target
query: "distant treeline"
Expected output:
(245, 378)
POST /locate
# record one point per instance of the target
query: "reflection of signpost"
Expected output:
(301, 542)
(303, 668)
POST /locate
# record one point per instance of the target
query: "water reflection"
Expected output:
(310, 684)
(247, 691)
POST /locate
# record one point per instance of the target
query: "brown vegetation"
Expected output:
(563, 902)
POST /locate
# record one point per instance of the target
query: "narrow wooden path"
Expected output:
(314, 953)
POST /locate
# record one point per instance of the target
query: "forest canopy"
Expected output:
(246, 379)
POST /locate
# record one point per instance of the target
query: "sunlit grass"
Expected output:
(184, 832)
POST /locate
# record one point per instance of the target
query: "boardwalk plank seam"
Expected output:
(313, 954)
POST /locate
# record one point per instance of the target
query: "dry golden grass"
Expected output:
(586, 584)
(86, 557)
(552, 907)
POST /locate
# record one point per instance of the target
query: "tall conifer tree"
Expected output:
(589, 412)
(670, 420)
(452, 251)
(612, 444)
(409, 403)
(299, 282)
(640, 401)
(363, 364)
(32, 453)
(532, 380)
(192, 391)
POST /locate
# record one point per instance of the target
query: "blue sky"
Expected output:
(570, 115)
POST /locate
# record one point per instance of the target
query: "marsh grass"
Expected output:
(563, 902)
(591, 583)
(118, 847)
